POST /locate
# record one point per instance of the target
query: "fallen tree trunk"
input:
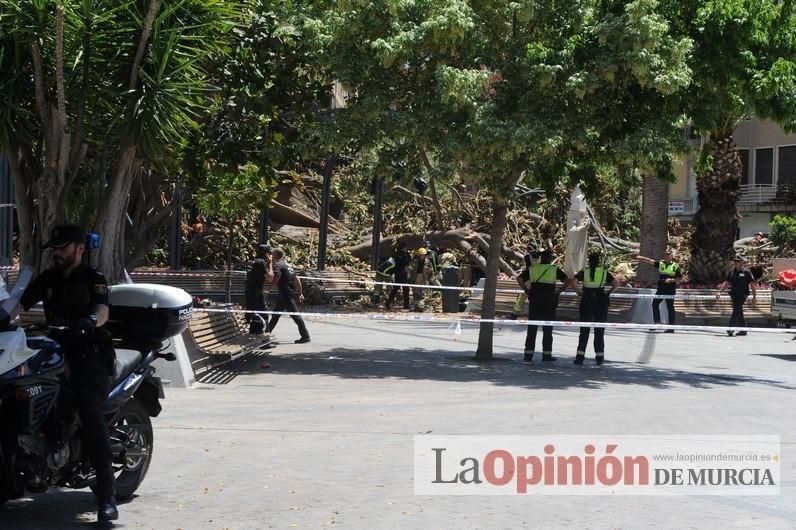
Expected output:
(282, 214)
(472, 244)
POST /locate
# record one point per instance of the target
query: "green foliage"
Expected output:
(743, 61)
(265, 110)
(96, 95)
(706, 160)
(549, 91)
(782, 231)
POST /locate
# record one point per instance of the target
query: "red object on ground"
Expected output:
(787, 278)
(265, 366)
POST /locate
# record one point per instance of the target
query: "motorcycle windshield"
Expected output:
(14, 348)
(11, 300)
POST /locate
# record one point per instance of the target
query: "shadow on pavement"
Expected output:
(780, 356)
(442, 365)
(54, 510)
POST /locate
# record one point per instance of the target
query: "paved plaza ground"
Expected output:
(324, 438)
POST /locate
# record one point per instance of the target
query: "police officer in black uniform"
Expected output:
(76, 296)
(542, 301)
(669, 275)
(739, 280)
(594, 300)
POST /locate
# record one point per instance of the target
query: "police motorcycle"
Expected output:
(40, 440)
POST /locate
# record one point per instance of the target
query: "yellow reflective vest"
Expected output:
(669, 270)
(543, 273)
(596, 279)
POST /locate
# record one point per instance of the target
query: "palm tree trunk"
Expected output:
(716, 221)
(654, 220)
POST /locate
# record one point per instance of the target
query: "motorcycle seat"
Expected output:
(126, 360)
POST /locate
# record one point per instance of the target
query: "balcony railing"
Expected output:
(751, 194)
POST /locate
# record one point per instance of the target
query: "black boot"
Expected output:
(107, 511)
(599, 359)
(548, 357)
(528, 357)
(579, 358)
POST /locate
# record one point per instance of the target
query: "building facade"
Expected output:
(768, 181)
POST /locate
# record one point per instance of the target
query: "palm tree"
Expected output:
(92, 93)
(743, 65)
(654, 214)
(716, 221)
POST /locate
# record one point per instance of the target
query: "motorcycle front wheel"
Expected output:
(132, 464)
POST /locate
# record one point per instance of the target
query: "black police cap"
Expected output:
(62, 235)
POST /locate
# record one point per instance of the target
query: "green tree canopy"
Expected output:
(95, 94)
(743, 64)
(505, 91)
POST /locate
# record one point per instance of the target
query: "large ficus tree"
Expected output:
(270, 90)
(93, 94)
(743, 64)
(505, 91)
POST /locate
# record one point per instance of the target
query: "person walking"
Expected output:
(543, 298)
(289, 292)
(402, 261)
(669, 275)
(594, 300)
(740, 281)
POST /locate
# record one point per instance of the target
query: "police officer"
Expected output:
(669, 276)
(594, 301)
(739, 280)
(542, 296)
(402, 262)
(76, 296)
(290, 292)
(259, 271)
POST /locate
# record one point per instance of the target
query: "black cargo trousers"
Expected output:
(91, 360)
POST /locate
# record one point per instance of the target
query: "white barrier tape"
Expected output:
(512, 291)
(210, 274)
(396, 317)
